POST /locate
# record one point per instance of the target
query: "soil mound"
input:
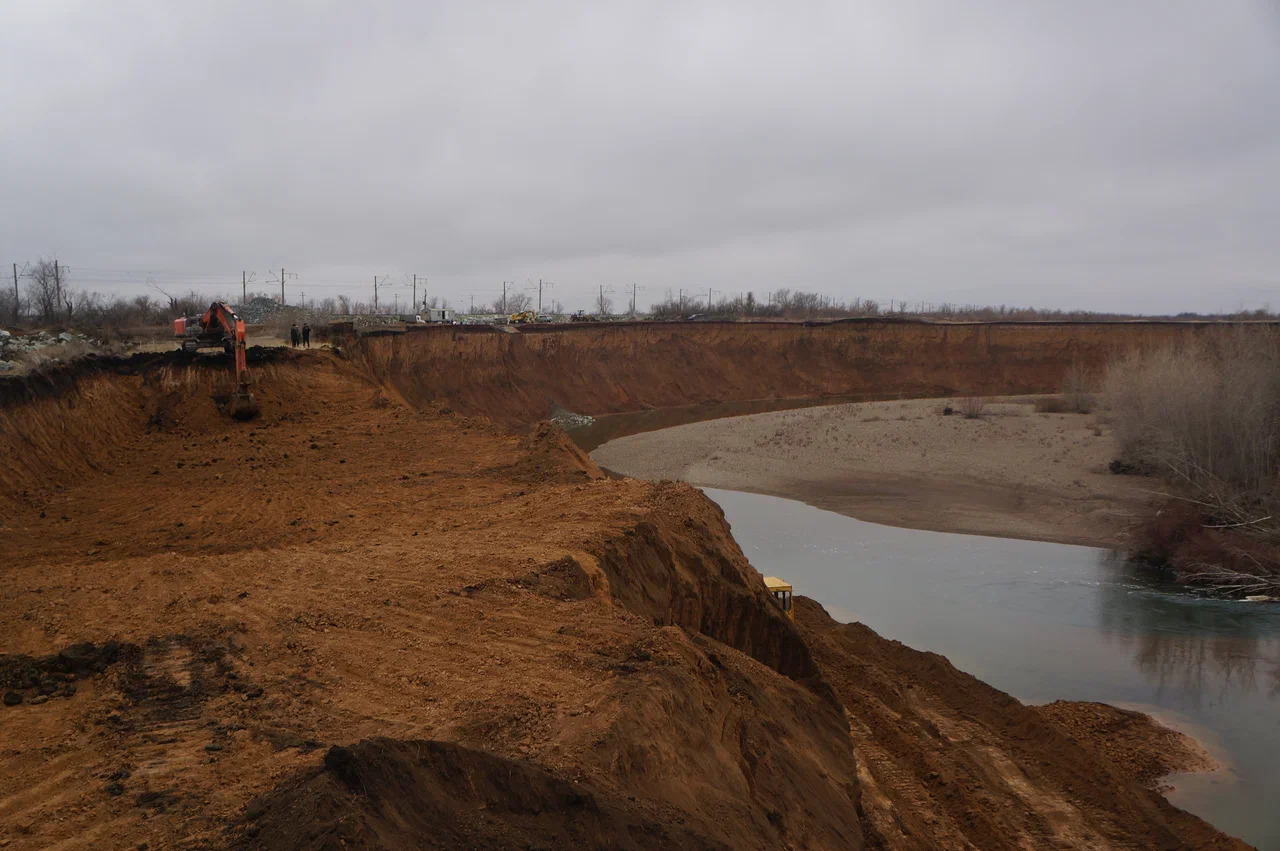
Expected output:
(547, 453)
(387, 794)
(1137, 746)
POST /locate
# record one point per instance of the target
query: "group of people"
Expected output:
(300, 338)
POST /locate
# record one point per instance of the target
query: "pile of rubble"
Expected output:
(568, 420)
(14, 346)
(262, 309)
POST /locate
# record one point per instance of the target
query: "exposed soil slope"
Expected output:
(473, 616)
(517, 378)
(947, 761)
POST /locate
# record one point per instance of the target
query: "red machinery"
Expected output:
(220, 328)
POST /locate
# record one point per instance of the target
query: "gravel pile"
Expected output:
(263, 309)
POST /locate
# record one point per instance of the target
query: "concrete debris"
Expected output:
(11, 344)
(262, 309)
(20, 351)
(567, 419)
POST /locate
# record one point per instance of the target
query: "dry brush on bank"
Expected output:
(1205, 417)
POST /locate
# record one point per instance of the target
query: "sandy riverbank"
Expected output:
(1012, 473)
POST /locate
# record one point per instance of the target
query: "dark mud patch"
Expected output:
(171, 677)
(28, 679)
(392, 794)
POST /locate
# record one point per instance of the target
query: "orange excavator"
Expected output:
(221, 328)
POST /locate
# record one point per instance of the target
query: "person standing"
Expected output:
(294, 337)
(306, 335)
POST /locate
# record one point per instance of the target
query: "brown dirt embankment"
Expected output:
(516, 378)
(470, 616)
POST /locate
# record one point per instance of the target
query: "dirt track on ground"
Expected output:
(326, 623)
(1012, 473)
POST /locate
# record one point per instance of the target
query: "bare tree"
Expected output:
(603, 303)
(344, 305)
(9, 305)
(44, 288)
(146, 308)
(518, 301)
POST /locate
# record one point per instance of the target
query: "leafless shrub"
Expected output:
(1206, 416)
(1077, 389)
(1077, 395)
(973, 407)
(1208, 413)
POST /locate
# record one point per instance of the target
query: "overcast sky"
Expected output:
(1093, 154)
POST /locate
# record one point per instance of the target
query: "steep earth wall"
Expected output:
(519, 377)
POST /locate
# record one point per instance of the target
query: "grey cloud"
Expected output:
(1090, 154)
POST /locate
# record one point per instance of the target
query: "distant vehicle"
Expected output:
(583, 316)
(695, 316)
(524, 317)
(410, 318)
(545, 317)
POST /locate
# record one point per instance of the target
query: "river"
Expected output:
(1047, 621)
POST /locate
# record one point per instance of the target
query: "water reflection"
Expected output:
(1199, 648)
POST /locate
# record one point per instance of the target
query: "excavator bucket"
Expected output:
(242, 405)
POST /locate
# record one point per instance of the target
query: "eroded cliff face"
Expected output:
(517, 378)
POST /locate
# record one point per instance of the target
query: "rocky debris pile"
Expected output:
(263, 309)
(260, 309)
(567, 419)
(14, 346)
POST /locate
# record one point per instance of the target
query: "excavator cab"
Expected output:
(781, 592)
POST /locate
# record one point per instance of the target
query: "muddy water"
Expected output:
(1046, 621)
